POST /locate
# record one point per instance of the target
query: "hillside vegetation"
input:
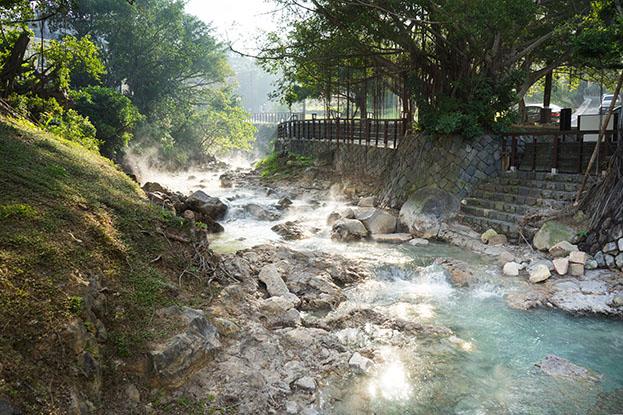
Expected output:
(84, 264)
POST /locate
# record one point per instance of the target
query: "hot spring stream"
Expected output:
(487, 367)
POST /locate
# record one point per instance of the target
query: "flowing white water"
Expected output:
(485, 367)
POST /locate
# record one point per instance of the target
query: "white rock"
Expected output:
(392, 238)
(577, 270)
(271, 276)
(366, 202)
(292, 408)
(610, 248)
(418, 242)
(591, 264)
(562, 249)
(360, 363)
(307, 383)
(349, 230)
(561, 265)
(379, 222)
(621, 244)
(511, 269)
(578, 257)
(539, 273)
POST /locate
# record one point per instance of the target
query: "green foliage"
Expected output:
(19, 210)
(282, 163)
(75, 127)
(113, 115)
(75, 304)
(463, 63)
(74, 61)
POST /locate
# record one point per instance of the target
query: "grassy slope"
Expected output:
(66, 216)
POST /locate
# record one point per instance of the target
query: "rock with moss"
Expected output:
(551, 233)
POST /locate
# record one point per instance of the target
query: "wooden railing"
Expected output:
(275, 117)
(555, 151)
(371, 132)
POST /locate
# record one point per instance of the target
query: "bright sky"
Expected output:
(237, 21)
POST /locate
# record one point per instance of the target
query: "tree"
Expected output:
(462, 63)
(113, 115)
(599, 46)
(169, 64)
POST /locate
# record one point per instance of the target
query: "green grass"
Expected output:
(282, 164)
(67, 216)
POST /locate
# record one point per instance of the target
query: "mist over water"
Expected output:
(487, 365)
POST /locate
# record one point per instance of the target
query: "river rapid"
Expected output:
(486, 367)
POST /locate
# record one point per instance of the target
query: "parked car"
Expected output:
(533, 112)
(606, 100)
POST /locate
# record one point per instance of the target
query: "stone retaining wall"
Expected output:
(453, 164)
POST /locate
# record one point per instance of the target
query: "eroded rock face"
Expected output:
(426, 209)
(176, 358)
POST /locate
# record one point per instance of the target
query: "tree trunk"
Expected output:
(13, 64)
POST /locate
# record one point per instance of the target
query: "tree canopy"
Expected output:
(147, 61)
(461, 63)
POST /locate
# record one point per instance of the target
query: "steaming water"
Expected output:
(485, 367)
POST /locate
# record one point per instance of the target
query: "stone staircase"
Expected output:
(501, 202)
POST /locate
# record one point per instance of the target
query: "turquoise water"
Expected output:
(487, 367)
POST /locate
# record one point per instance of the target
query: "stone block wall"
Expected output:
(347, 159)
(453, 164)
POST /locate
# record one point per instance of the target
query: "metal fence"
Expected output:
(366, 131)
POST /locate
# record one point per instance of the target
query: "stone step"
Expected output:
(527, 191)
(480, 224)
(537, 184)
(531, 175)
(491, 214)
(493, 203)
(527, 201)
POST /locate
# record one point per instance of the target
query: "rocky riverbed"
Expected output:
(332, 306)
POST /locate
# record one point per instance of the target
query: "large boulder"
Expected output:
(261, 212)
(423, 213)
(154, 187)
(271, 276)
(291, 230)
(348, 230)
(344, 213)
(551, 233)
(173, 360)
(379, 222)
(210, 206)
